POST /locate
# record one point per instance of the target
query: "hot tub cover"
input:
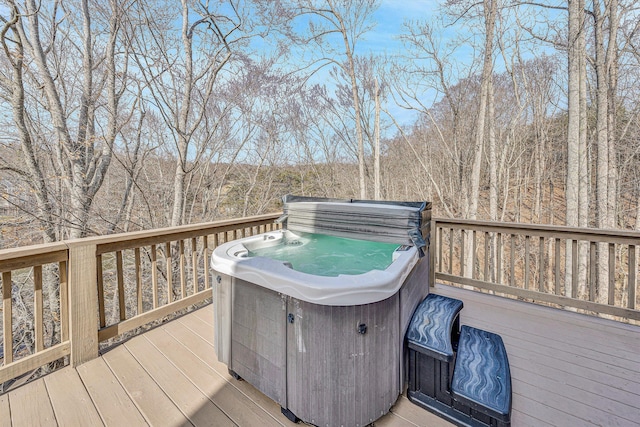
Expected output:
(404, 223)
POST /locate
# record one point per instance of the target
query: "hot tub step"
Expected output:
(481, 377)
(434, 327)
(432, 339)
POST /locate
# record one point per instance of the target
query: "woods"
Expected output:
(130, 115)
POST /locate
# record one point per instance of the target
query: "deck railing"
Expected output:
(145, 275)
(592, 270)
(91, 290)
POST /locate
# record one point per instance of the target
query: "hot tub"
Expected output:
(326, 345)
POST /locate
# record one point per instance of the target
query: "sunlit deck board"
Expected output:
(70, 400)
(111, 400)
(168, 376)
(229, 399)
(567, 368)
(149, 397)
(30, 405)
(5, 411)
(194, 333)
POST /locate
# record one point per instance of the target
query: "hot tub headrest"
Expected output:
(404, 223)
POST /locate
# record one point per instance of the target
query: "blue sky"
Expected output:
(390, 17)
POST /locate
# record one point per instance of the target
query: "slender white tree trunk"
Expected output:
(577, 178)
(376, 165)
(490, 10)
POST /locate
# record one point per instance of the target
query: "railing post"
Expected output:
(83, 303)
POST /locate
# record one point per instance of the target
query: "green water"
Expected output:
(324, 255)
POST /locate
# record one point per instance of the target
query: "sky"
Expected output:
(384, 39)
(390, 17)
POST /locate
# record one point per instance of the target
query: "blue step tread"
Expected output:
(481, 376)
(431, 326)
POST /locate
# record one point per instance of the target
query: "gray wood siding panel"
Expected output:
(567, 368)
(337, 376)
(258, 340)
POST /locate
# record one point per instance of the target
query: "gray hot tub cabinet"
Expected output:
(328, 365)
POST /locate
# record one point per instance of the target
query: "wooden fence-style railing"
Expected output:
(145, 275)
(549, 264)
(13, 265)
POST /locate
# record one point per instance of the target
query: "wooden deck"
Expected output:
(567, 369)
(168, 376)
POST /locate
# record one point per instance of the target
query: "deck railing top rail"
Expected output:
(558, 231)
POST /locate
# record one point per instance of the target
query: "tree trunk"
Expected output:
(351, 70)
(577, 178)
(490, 8)
(376, 165)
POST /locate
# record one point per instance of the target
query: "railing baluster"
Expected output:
(512, 262)
(100, 282)
(138, 279)
(154, 275)
(612, 274)
(527, 262)
(64, 301)
(451, 251)
(194, 264)
(183, 278)
(486, 257)
(499, 258)
(439, 246)
(7, 321)
(462, 245)
(541, 269)
(557, 267)
(574, 268)
(631, 287)
(120, 274)
(592, 271)
(205, 255)
(167, 257)
(474, 255)
(37, 307)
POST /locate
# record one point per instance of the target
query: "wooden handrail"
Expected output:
(530, 262)
(591, 234)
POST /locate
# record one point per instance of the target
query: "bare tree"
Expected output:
(349, 20)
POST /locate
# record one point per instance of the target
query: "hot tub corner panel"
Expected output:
(343, 371)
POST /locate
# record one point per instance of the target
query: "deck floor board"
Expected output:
(152, 401)
(5, 410)
(111, 399)
(228, 398)
(30, 405)
(183, 393)
(70, 400)
(567, 369)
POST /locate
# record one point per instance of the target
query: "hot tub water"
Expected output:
(329, 256)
